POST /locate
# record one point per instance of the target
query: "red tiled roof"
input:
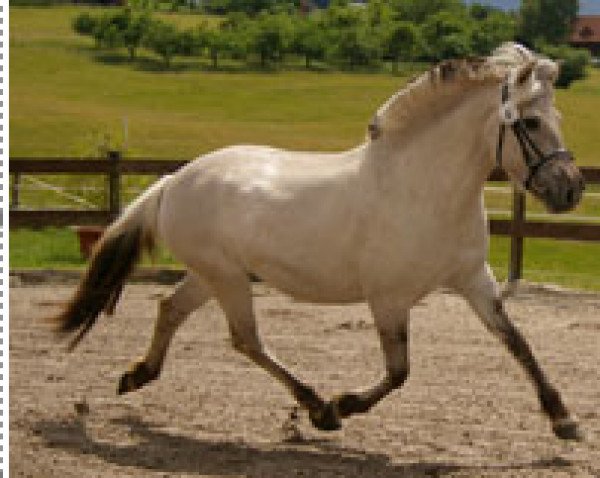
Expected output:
(586, 30)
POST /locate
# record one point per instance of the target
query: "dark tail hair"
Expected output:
(113, 260)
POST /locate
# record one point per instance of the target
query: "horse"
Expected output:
(385, 223)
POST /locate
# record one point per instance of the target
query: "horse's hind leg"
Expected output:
(483, 296)
(391, 322)
(235, 297)
(188, 295)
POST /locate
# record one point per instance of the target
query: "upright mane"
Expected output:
(445, 80)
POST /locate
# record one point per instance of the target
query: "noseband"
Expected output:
(533, 155)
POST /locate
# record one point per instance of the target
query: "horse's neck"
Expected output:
(446, 159)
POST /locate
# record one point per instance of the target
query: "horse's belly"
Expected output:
(309, 280)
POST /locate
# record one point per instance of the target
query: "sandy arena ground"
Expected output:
(466, 410)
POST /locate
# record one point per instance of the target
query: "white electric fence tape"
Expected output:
(4, 312)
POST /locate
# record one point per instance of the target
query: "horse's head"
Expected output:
(531, 148)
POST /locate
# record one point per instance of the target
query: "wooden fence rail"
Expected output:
(113, 167)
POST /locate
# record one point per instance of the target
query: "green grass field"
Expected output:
(68, 99)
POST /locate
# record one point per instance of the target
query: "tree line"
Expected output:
(341, 36)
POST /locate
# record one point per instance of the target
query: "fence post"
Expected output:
(516, 236)
(114, 184)
(14, 193)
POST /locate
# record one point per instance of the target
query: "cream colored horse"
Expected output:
(385, 223)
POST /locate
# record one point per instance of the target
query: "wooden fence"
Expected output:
(114, 167)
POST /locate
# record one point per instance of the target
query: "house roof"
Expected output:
(586, 30)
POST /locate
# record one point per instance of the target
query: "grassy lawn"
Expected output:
(68, 99)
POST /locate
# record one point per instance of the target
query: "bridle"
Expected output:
(533, 155)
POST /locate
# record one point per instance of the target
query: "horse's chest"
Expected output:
(420, 253)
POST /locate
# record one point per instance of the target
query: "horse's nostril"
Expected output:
(570, 196)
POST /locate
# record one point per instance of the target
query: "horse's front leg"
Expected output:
(392, 326)
(482, 293)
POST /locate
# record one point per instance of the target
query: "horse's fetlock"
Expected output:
(398, 377)
(552, 404)
(307, 396)
(246, 348)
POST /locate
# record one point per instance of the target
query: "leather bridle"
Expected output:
(533, 155)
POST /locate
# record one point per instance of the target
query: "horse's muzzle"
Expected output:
(559, 182)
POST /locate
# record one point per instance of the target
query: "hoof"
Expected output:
(567, 429)
(350, 404)
(136, 378)
(326, 418)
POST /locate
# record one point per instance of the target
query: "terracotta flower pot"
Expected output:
(88, 235)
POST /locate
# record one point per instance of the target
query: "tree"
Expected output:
(271, 36)
(222, 42)
(163, 39)
(496, 27)
(249, 7)
(418, 11)
(400, 42)
(350, 35)
(107, 33)
(115, 29)
(379, 13)
(357, 46)
(546, 21)
(310, 39)
(192, 41)
(447, 34)
(236, 35)
(84, 24)
(135, 30)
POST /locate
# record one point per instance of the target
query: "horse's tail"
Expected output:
(112, 261)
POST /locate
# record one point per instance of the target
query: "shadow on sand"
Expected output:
(162, 451)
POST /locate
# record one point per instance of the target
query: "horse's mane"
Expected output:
(446, 79)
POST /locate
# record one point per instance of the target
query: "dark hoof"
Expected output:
(326, 418)
(136, 378)
(567, 429)
(349, 404)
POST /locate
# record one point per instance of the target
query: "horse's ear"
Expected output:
(525, 72)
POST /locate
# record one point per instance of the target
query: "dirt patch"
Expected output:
(466, 410)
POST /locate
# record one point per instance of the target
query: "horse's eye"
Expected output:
(532, 124)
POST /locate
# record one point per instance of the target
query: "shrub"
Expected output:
(573, 63)
(84, 24)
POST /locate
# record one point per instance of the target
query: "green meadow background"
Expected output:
(69, 99)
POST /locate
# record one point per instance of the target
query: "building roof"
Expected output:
(586, 30)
